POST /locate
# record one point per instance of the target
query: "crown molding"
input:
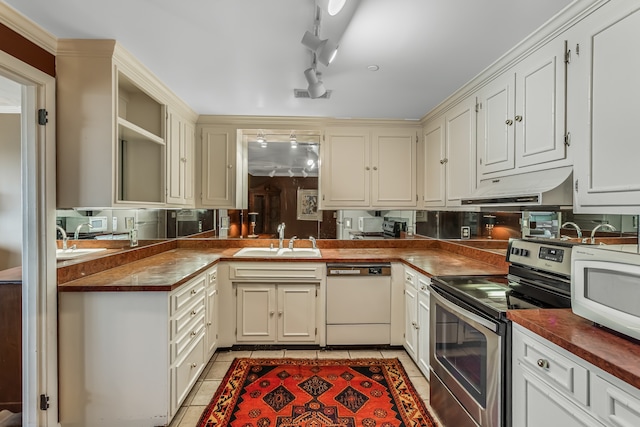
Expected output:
(27, 28)
(291, 122)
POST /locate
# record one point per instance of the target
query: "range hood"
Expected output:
(548, 189)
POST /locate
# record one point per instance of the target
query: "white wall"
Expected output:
(10, 192)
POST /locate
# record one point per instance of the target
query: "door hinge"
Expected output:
(323, 197)
(478, 106)
(576, 185)
(567, 54)
(416, 197)
(567, 139)
(42, 116)
(316, 292)
(578, 49)
(236, 291)
(44, 402)
(416, 137)
(216, 336)
(316, 331)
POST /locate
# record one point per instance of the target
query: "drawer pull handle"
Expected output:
(193, 312)
(193, 292)
(194, 365)
(423, 288)
(193, 333)
(543, 363)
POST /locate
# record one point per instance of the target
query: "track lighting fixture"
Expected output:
(316, 87)
(290, 173)
(272, 173)
(325, 50)
(304, 173)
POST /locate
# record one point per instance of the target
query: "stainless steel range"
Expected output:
(470, 336)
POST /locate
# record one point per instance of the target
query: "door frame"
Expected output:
(39, 283)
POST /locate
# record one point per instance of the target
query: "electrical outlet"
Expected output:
(114, 222)
(347, 223)
(128, 222)
(465, 232)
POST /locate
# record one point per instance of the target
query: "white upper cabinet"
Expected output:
(604, 110)
(447, 157)
(364, 168)
(521, 116)
(111, 124)
(180, 160)
(218, 168)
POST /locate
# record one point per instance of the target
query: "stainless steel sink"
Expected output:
(279, 253)
(63, 254)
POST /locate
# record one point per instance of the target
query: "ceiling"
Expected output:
(245, 57)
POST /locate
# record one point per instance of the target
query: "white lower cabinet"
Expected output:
(130, 358)
(551, 386)
(270, 313)
(416, 297)
(211, 320)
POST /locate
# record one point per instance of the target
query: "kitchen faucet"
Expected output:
(574, 225)
(280, 235)
(75, 235)
(593, 232)
(291, 240)
(313, 241)
(65, 238)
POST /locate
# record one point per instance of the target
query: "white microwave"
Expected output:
(370, 224)
(605, 286)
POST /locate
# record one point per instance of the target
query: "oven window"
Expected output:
(462, 350)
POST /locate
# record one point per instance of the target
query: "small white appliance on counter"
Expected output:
(98, 223)
(605, 286)
(370, 224)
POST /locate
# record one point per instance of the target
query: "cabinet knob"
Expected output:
(230, 166)
(543, 363)
(442, 161)
(280, 313)
(423, 288)
(271, 313)
(375, 168)
(194, 365)
(518, 118)
(367, 168)
(193, 292)
(183, 160)
(208, 323)
(508, 122)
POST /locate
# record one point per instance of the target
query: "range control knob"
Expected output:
(515, 251)
(524, 252)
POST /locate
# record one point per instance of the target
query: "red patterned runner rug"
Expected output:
(316, 393)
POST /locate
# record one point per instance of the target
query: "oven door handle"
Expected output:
(492, 326)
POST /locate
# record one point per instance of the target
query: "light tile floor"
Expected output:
(202, 392)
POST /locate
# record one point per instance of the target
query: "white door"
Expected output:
(461, 151)
(297, 313)
(175, 154)
(423, 328)
(393, 170)
(433, 164)
(411, 320)
(346, 168)
(256, 312)
(39, 291)
(496, 126)
(540, 106)
(607, 101)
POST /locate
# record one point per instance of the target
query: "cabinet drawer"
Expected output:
(187, 294)
(183, 319)
(568, 377)
(613, 405)
(213, 276)
(410, 278)
(276, 271)
(182, 344)
(185, 373)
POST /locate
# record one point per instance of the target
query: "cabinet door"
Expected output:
(180, 154)
(423, 326)
(393, 170)
(211, 313)
(411, 320)
(346, 168)
(540, 106)
(432, 164)
(218, 168)
(606, 166)
(461, 151)
(496, 126)
(297, 313)
(255, 313)
(536, 404)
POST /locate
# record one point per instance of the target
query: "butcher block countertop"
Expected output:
(614, 354)
(171, 268)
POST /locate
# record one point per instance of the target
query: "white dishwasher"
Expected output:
(358, 304)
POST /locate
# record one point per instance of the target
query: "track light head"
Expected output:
(325, 50)
(316, 87)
